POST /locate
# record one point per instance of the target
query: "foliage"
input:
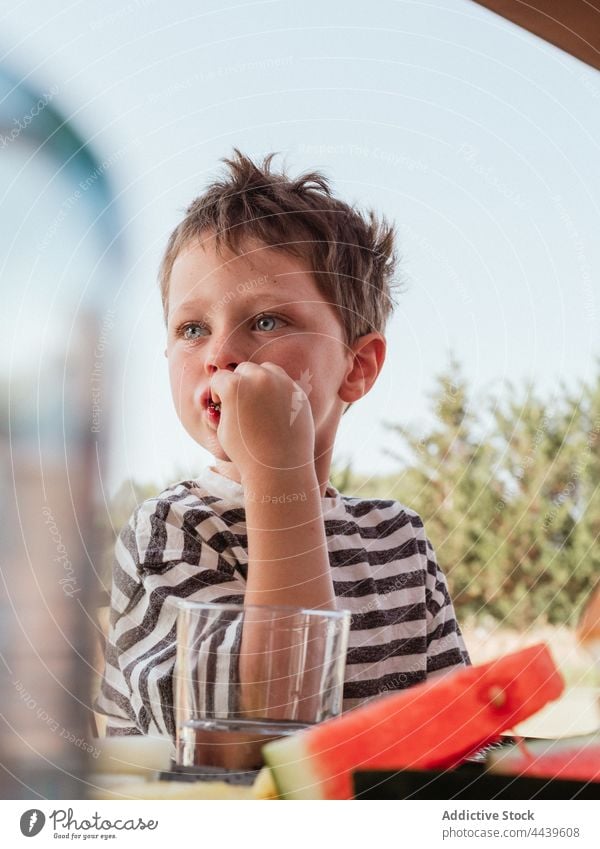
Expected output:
(509, 491)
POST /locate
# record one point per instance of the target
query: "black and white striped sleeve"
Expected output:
(114, 696)
(159, 556)
(445, 645)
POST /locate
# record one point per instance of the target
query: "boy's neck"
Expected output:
(230, 471)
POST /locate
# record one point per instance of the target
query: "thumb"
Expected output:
(220, 383)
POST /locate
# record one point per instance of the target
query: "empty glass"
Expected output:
(247, 675)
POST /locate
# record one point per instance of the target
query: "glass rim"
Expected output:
(187, 604)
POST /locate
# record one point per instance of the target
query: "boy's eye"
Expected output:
(267, 317)
(192, 331)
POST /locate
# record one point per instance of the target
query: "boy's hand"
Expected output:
(257, 429)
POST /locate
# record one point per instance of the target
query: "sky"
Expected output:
(477, 139)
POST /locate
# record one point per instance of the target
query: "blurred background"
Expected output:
(478, 138)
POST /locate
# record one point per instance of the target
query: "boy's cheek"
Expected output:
(180, 375)
(182, 401)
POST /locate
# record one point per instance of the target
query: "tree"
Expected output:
(509, 496)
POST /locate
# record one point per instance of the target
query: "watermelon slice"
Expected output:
(432, 725)
(574, 758)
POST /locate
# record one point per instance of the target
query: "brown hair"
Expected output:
(351, 254)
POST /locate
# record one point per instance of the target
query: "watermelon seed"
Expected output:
(497, 696)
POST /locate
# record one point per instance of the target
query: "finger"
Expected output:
(244, 366)
(274, 368)
(221, 383)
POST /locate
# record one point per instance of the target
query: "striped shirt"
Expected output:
(191, 542)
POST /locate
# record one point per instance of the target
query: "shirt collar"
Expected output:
(232, 491)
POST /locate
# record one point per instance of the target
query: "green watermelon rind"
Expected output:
(290, 766)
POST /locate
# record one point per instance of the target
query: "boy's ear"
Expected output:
(368, 356)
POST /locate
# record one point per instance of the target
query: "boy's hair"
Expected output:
(351, 254)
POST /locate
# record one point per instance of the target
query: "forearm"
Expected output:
(288, 562)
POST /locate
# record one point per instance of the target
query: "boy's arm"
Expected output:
(446, 648)
(288, 564)
(274, 454)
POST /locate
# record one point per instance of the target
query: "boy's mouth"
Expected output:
(213, 413)
(208, 402)
(212, 407)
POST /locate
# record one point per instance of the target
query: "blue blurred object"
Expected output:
(60, 259)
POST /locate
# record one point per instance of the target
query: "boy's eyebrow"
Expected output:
(265, 297)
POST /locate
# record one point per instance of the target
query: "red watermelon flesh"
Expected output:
(436, 724)
(574, 758)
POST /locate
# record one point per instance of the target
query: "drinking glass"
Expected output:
(245, 675)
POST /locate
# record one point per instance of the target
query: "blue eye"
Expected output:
(185, 331)
(268, 317)
(194, 330)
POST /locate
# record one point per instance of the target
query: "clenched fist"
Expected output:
(266, 422)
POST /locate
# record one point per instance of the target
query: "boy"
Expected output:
(264, 525)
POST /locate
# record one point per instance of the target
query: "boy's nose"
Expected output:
(222, 358)
(224, 352)
(211, 368)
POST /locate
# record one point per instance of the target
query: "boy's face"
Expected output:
(263, 306)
